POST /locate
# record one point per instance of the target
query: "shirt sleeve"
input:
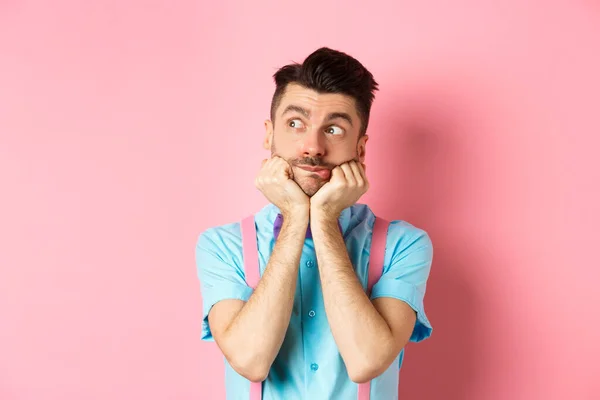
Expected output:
(405, 273)
(220, 271)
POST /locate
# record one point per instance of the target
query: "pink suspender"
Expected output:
(249, 245)
(252, 273)
(376, 258)
(377, 253)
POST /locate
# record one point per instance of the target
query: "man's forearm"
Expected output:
(259, 328)
(361, 334)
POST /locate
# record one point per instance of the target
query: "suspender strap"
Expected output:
(376, 258)
(252, 273)
(250, 247)
(377, 253)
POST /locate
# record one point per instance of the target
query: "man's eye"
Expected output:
(334, 130)
(296, 123)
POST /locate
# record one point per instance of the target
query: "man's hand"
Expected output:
(347, 184)
(275, 181)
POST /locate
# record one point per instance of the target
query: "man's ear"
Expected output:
(361, 148)
(268, 135)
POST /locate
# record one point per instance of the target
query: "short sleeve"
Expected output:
(220, 270)
(409, 254)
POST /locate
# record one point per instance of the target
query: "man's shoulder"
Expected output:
(404, 238)
(228, 236)
(398, 228)
(219, 238)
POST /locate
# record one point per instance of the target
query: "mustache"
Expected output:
(312, 162)
(317, 162)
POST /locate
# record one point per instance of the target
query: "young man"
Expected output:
(308, 299)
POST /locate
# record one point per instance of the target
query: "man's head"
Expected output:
(319, 115)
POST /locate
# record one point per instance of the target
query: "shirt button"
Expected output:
(311, 313)
(310, 264)
(314, 366)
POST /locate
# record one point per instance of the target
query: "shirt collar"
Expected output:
(279, 221)
(272, 217)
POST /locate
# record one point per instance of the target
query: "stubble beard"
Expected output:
(310, 185)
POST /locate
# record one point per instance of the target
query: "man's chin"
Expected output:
(311, 192)
(310, 188)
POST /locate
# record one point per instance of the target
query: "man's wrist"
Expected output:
(323, 216)
(296, 217)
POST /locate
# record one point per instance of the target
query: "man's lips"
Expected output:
(324, 173)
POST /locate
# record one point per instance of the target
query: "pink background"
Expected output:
(126, 128)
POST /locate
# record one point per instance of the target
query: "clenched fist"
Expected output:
(275, 181)
(347, 184)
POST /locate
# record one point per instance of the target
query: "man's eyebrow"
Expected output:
(341, 115)
(306, 113)
(298, 109)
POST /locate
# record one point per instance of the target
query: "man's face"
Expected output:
(314, 133)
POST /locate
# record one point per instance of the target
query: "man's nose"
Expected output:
(313, 144)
